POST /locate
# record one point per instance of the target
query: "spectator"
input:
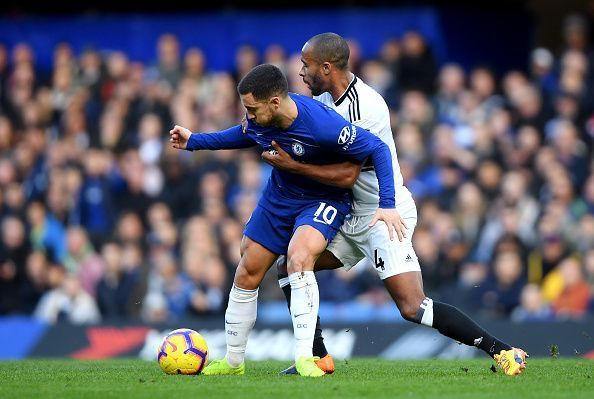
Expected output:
(82, 261)
(417, 71)
(246, 57)
(532, 306)
(95, 207)
(575, 296)
(203, 280)
(14, 250)
(69, 303)
(501, 291)
(168, 68)
(35, 283)
(46, 234)
(451, 84)
(115, 289)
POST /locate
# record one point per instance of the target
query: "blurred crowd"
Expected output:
(100, 219)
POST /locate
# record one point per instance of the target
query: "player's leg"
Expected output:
(305, 247)
(326, 261)
(398, 266)
(407, 291)
(264, 238)
(316, 225)
(241, 312)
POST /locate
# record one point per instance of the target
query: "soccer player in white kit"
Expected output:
(325, 71)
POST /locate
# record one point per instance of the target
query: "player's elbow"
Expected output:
(349, 180)
(350, 176)
(344, 181)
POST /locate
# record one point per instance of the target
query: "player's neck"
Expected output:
(287, 113)
(340, 84)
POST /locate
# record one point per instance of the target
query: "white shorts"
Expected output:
(356, 240)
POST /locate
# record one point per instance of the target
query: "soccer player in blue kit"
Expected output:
(295, 215)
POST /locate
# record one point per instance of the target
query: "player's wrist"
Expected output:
(387, 204)
(297, 167)
(190, 144)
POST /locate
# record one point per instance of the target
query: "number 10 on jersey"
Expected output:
(325, 213)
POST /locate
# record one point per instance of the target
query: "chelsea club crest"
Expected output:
(298, 149)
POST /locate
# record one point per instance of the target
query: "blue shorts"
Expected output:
(275, 219)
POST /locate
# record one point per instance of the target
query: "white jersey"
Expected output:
(364, 107)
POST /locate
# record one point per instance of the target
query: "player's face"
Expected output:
(260, 112)
(311, 73)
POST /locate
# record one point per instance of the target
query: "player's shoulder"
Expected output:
(367, 96)
(325, 98)
(322, 122)
(315, 109)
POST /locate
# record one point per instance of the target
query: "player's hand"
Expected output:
(179, 137)
(279, 158)
(393, 220)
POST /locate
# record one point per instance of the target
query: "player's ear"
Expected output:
(275, 101)
(326, 68)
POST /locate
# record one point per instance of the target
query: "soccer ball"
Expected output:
(183, 351)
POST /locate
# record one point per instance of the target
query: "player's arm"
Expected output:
(343, 175)
(361, 144)
(232, 138)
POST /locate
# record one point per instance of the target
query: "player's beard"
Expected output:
(268, 122)
(317, 85)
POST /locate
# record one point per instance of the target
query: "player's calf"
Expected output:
(453, 323)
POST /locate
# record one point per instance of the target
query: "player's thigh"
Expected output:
(253, 265)
(343, 252)
(306, 245)
(316, 224)
(265, 236)
(269, 230)
(392, 257)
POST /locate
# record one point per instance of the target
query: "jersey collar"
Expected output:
(346, 92)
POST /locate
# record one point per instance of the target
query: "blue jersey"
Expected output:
(318, 135)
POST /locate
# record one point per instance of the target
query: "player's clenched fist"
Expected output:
(179, 137)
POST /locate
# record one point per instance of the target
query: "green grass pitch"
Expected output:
(356, 378)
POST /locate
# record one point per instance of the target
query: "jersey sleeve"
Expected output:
(229, 139)
(358, 143)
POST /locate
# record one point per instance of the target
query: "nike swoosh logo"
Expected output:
(300, 314)
(226, 322)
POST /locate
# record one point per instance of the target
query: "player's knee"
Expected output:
(408, 310)
(299, 260)
(420, 312)
(246, 277)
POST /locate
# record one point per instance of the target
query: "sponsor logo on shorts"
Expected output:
(408, 258)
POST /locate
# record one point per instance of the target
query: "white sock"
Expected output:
(240, 318)
(305, 302)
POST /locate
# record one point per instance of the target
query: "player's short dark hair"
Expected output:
(264, 81)
(332, 48)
